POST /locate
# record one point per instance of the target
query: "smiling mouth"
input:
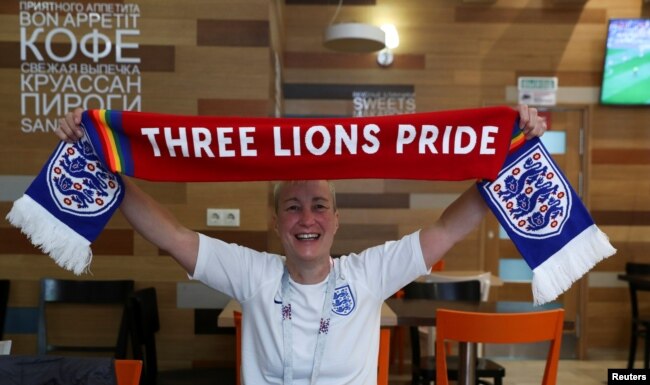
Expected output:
(307, 236)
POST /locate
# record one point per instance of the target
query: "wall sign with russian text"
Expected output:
(76, 54)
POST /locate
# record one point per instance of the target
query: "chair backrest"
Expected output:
(635, 268)
(4, 299)
(499, 328)
(483, 278)
(127, 372)
(445, 291)
(86, 292)
(5, 347)
(144, 323)
(438, 266)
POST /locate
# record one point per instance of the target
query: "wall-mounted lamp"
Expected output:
(385, 56)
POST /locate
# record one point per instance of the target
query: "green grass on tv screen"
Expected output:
(626, 72)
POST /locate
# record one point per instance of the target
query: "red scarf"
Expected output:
(448, 145)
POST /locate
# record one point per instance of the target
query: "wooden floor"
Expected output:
(530, 372)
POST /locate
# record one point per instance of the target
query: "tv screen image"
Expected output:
(626, 70)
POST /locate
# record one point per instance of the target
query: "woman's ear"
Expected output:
(336, 216)
(274, 218)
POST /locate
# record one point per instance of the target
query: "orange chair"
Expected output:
(382, 359)
(423, 368)
(439, 266)
(499, 328)
(127, 372)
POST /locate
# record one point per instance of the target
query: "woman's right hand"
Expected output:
(69, 129)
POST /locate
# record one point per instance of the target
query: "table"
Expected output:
(422, 312)
(469, 274)
(638, 279)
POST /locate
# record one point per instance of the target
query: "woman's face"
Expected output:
(306, 220)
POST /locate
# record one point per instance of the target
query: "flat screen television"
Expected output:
(626, 69)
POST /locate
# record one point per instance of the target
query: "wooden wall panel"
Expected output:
(233, 33)
(348, 61)
(546, 16)
(217, 10)
(230, 107)
(621, 156)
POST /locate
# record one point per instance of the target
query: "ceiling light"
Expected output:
(385, 56)
(354, 37)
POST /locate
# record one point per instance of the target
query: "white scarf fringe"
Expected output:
(555, 275)
(68, 249)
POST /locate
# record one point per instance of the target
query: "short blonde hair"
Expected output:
(280, 185)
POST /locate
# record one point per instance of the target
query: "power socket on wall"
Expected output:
(223, 217)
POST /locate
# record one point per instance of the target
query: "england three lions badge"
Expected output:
(343, 302)
(530, 193)
(79, 183)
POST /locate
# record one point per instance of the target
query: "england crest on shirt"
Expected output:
(343, 300)
(531, 195)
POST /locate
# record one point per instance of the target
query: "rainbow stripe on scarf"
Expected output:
(115, 147)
